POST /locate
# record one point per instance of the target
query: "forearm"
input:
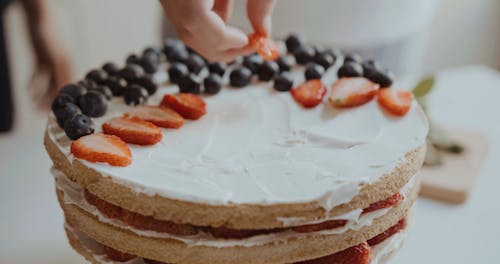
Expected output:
(39, 24)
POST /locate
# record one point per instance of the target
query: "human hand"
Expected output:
(201, 24)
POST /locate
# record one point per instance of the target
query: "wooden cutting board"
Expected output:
(454, 179)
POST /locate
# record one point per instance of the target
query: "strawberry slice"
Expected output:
(189, 106)
(350, 92)
(158, 115)
(109, 210)
(360, 254)
(388, 233)
(102, 148)
(266, 48)
(392, 201)
(310, 93)
(320, 226)
(116, 255)
(133, 130)
(396, 102)
(144, 222)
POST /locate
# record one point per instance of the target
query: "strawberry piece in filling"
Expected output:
(388, 233)
(360, 254)
(116, 255)
(392, 201)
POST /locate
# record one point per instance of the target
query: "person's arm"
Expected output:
(201, 24)
(50, 53)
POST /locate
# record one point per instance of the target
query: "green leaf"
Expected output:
(423, 87)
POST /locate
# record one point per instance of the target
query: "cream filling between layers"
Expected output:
(258, 146)
(73, 194)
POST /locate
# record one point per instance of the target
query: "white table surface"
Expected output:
(31, 221)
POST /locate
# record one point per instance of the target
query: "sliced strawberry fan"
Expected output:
(189, 106)
(103, 148)
(158, 115)
(350, 92)
(396, 102)
(309, 94)
(265, 47)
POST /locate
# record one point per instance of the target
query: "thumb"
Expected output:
(259, 13)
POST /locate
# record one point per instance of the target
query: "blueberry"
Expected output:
(267, 70)
(324, 59)
(240, 77)
(354, 57)
(88, 84)
(116, 84)
(149, 66)
(110, 68)
(217, 68)
(66, 112)
(383, 77)
(304, 54)
(93, 104)
(104, 90)
(98, 76)
(334, 52)
(135, 94)
(283, 82)
(60, 101)
(177, 71)
(350, 69)
(73, 90)
(131, 72)
(148, 83)
(133, 58)
(190, 83)
(252, 62)
(285, 63)
(293, 42)
(314, 71)
(195, 63)
(212, 83)
(153, 54)
(172, 45)
(78, 126)
(178, 54)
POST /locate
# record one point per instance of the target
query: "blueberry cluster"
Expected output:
(354, 66)
(186, 66)
(78, 102)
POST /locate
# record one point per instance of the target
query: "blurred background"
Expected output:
(411, 37)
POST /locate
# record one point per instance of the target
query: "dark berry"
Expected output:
(190, 83)
(383, 77)
(285, 63)
(78, 126)
(110, 68)
(240, 77)
(252, 62)
(98, 76)
(213, 83)
(314, 71)
(133, 58)
(104, 90)
(73, 90)
(324, 59)
(354, 57)
(177, 53)
(60, 101)
(135, 95)
(304, 54)
(177, 71)
(267, 70)
(148, 83)
(283, 82)
(66, 112)
(172, 45)
(149, 66)
(334, 52)
(93, 104)
(152, 54)
(195, 63)
(88, 83)
(131, 72)
(116, 84)
(217, 68)
(293, 42)
(350, 69)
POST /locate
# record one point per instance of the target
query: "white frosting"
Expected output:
(73, 194)
(258, 146)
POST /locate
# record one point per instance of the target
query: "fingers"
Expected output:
(223, 8)
(259, 13)
(203, 28)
